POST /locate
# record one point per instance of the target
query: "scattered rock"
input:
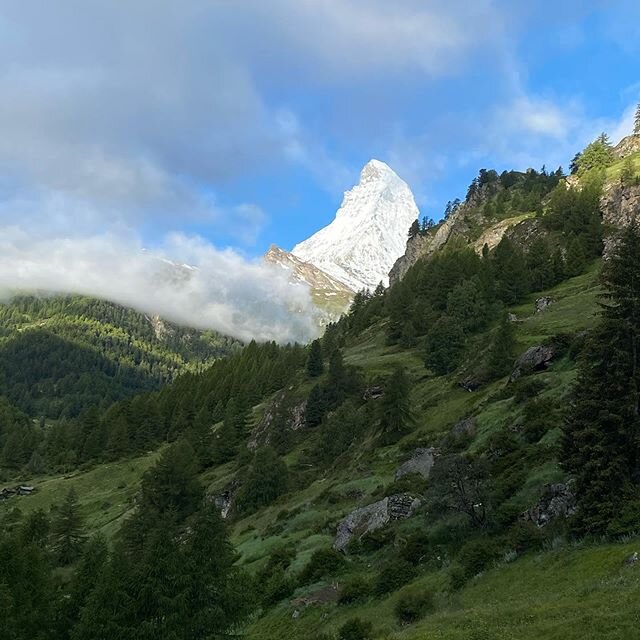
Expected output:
(421, 462)
(632, 559)
(224, 499)
(325, 595)
(374, 516)
(512, 317)
(260, 434)
(466, 427)
(533, 359)
(296, 614)
(470, 384)
(543, 303)
(373, 393)
(556, 501)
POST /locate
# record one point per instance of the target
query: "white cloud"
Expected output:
(245, 299)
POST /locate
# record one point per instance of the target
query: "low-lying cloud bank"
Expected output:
(219, 289)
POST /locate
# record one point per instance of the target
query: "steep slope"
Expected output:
(62, 354)
(331, 296)
(369, 231)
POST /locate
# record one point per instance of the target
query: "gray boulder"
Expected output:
(543, 303)
(536, 358)
(557, 501)
(421, 462)
(373, 517)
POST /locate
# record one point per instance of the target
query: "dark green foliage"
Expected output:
(315, 364)
(467, 305)
(416, 548)
(26, 591)
(460, 484)
(396, 417)
(509, 268)
(542, 271)
(445, 345)
(323, 563)
(394, 574)
(356, 589)
(500, 360)
(414, 229)
(342, 428)
(596, 155)
(356, 629)
(316, 406)
(266, 480)
(68, 530)
(413, 605)
(91, 353)
(477, 555)
(601, 435)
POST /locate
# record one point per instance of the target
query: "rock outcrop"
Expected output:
(620, 204)
(543, 303)
(556, 501)
(260, 434)
(421, 462)
(627, 146)
(536, 358)
(373, 517)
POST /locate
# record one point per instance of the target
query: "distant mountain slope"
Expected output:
(59, 355)
(369, 232)
(331, 296)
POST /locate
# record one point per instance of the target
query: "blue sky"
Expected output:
(202, 125)
(243, 122)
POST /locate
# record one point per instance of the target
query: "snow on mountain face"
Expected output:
(369, 232)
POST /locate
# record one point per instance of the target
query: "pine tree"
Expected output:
(315, 364)
(414, 229)
(602, 431)
(576, 259)
(445, 346)
(636, 124)
(500, 359)
(68, 530)
(316, 406)
(396, 417)
(628, 172)
(539, 264)
(267, 479)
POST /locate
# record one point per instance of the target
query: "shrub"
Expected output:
(323, 562)
(412, 605)
(356, 629)
(393, 575)
(525, 536)
(277, 587)
(457, 577)
(416, 549)
(355, 589)
(413, 483)
(477, 555)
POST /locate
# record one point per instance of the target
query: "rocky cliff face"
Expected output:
(330, 296)
(368, 233)
(620, 204)
(627, 146)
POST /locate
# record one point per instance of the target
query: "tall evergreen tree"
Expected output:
(68, 530)
(602, 431)
(396, 417)
(500, 359)
(315, 364)
(636, 123)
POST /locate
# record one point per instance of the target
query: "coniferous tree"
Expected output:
(602, 431)
(414, 229)
(267, 480)
(316, 406)
(315, 364)
(500, 359)
(396, 417)
(445, 346)
(576, 259)
(68, 530)
(636, 123)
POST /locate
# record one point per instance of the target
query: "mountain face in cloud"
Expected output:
(221, 291)
(369, 232)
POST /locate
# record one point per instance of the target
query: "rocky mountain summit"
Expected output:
(368, 233)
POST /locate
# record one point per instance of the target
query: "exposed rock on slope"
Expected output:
(374, 516)
(330, 296)
(368, 233)
(627, 146)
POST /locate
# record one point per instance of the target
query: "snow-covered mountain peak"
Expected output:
(369, 232)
